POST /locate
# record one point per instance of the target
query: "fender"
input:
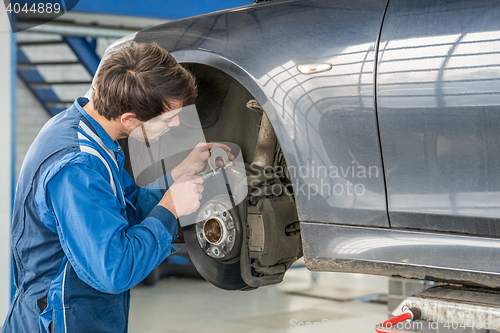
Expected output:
(326, 122)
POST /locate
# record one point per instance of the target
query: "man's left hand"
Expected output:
(197, 159)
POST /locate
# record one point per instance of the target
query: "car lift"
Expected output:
(455, 306)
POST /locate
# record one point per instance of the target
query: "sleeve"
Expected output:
(141, 200)
(105, 252)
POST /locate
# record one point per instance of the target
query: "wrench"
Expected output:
(214, 169)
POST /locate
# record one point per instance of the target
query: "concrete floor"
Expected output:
(181, 305)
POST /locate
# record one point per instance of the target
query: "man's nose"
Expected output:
(174, 122)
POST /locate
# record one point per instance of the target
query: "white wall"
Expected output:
(5, 164)
(30, 117)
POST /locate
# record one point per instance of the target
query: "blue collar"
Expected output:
(80, 102)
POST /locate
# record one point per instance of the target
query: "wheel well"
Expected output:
(222, 108)
(271, 233)
(229, 113)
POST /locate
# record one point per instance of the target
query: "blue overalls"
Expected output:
(83, 233)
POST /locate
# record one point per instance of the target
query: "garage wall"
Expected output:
(30, 114)
(31, 117)
(5, 166)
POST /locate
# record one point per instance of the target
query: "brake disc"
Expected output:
(214, 241)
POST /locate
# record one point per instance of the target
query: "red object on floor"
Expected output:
(386, 326)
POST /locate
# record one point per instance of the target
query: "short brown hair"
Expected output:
(142, 79)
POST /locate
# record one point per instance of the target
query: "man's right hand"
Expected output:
(183, 197)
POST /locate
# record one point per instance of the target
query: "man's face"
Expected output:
(153, 129)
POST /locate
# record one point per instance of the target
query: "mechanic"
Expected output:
(83, 233)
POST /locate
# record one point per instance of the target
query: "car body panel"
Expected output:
(424, 255)
(438, 101)
(326, 122)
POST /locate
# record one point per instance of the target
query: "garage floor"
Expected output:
(181, 305)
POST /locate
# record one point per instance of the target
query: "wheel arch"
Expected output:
(240, 75)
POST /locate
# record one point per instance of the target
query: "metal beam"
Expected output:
(158, 8)
(76, 30)
(85, 53)
(13, 156)
(30, 76)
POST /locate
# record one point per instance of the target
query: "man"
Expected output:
(83, 233)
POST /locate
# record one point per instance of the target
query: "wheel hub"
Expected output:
(216, 231)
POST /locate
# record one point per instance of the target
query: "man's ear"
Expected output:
(129, 120)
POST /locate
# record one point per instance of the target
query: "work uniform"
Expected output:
(83, 233)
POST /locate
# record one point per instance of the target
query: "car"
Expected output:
(369, 131)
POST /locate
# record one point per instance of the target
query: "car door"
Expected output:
(438, 107)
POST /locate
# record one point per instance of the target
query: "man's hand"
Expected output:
(183, 197)
(197, 159)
